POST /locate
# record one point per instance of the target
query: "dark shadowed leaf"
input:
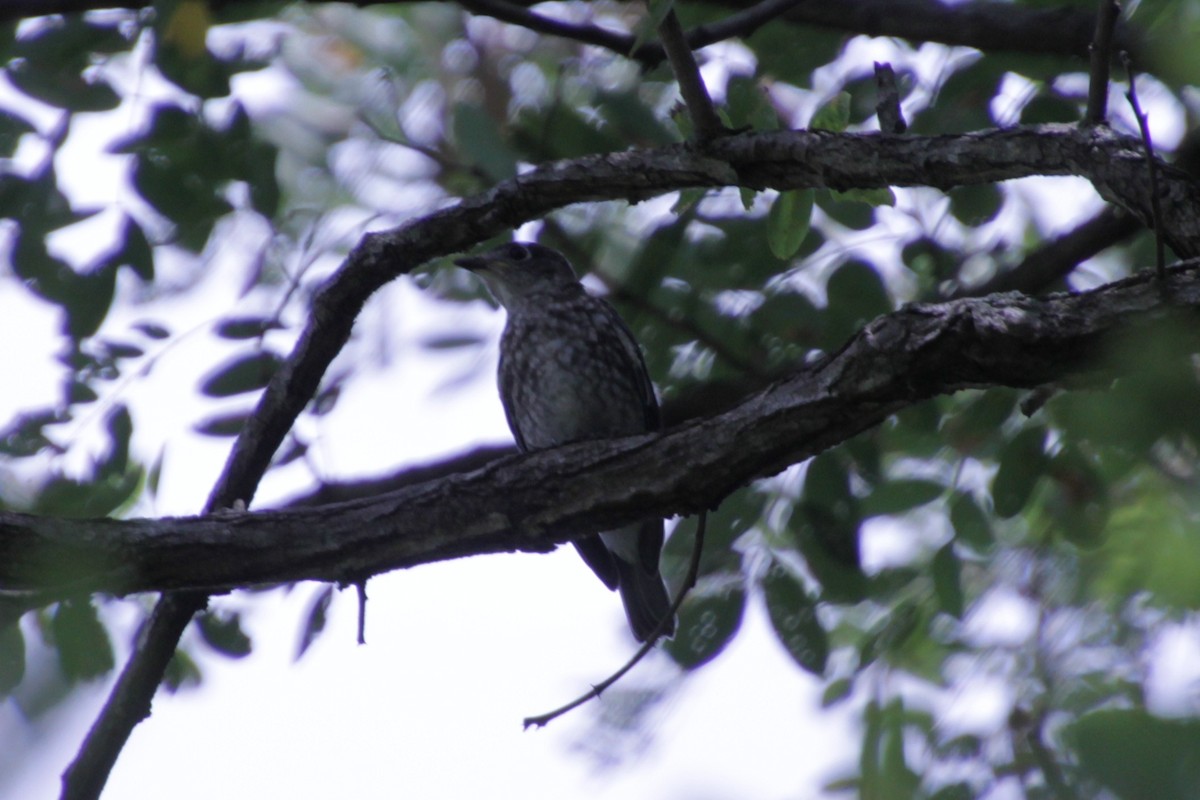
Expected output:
(834, 115)
(182, 672)
(896, 497)
(481, 143)
(84, 649)
(971, 526)
(12, 658)
(1136, 755)
(53, 63)
(314, 622)
(152, 329)
(975, 205)
(1022, 463)
(222, 424)
(708, 619)
(240, 375)
(794, 617)
(246, 327)
(12, 128)
(788, 222)
(223, 633)
(947, 580)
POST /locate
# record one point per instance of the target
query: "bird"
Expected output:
(571, 371)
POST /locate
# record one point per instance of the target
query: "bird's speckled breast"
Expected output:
(567, 374)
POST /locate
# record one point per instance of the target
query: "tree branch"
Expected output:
(1058, 257)
(530, 503)
(691, 83)
(780, 160)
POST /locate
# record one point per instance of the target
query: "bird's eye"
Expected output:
(516, 252)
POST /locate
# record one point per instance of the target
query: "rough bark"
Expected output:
(530, 503)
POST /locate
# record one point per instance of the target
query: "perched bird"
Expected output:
(570, 371)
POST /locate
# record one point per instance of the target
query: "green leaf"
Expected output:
(883, 196)
(837, 691)
(975, 205)
(628, 115)
(794, 616)
(242, 374)
(223, 424)
(12, 128)
(788, 222)
(317, 617)
(856, 295)
(708, 619)
(971, 526)
(947, 580)
(450, 341)
(12, 657)
(899, 778)
(1022, 464)
(1136, 755)
(181, 672)
(481, 143)
(748, 105)
(53, 64)
(834, 115)
(223, 633)
(237, 328)
(84, 649)
(152, 329)
(896, 497)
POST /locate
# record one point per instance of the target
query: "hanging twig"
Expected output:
(688, 582)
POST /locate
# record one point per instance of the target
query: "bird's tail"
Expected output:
(645, 597)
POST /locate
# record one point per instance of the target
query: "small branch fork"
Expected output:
(688, 582)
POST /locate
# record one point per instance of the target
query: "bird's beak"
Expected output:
(472, 263)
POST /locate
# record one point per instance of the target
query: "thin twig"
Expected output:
(648, 54)
(741, 24)
(514, 14)
(1101, 54)
(691, 84)
(1160, 258)
(688, 582)
(887, 102)
(361, 586)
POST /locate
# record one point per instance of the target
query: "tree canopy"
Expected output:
(903, 272)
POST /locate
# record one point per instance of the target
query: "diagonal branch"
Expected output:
(531, 502)
(691, 84)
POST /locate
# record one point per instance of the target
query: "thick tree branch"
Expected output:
(532, 502)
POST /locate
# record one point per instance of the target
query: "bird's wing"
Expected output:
(638, 364)
(505, 382)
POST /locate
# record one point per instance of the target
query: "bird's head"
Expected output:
(518, 271)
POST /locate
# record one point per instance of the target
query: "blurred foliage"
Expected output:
(877, 562)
